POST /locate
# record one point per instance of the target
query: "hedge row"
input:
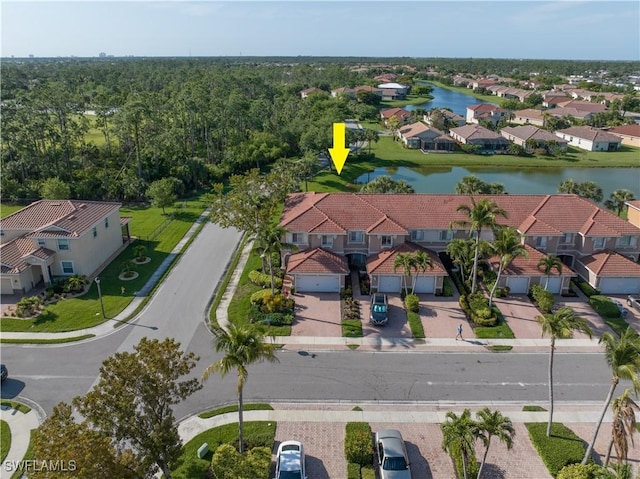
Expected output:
(564, 447)
(542, 298)
(476, 307)
(261, 279)
(604, 306)
(586, 288)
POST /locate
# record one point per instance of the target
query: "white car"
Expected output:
(290, 461)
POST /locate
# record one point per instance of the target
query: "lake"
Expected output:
(442, 98)
(515, 180)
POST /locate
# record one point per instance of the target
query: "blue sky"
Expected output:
(579, 30)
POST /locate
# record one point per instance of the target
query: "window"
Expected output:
(417, 235)
(541, 241)
(625, 241)
(386, 241)
(446, 235)
(356, 237)
(94, 231)
(567, 238)
(42, 242)
(598, 243)
(1, 233)
(327, 241)
(106, 222)
(63, 244)
(67, 267)
(298, 238)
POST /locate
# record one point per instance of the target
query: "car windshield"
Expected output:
(379, 308)
(394, 464)
(290, 475)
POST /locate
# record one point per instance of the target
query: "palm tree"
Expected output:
(461, 253)
(623, 357)
(480, 215)
(559, 325)
(371, 136)
(493, 423)
(618, 199)
(590, 190)
(406, 261)
(623, 426)
(421, 263)
(386, 184)
(269, 241)
(569, 186)
(460, 432)
(470, 185)
(615, 471)
(507, 246)
(242, 345)
(547, 264)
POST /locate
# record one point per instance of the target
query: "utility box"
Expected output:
(203, 450)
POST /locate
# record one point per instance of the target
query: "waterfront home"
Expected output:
(629, 134)
(487, 140)
(400, 113)
(590, 139)
(528, 116)
(450, 119)
(531, 137)
(424, 137)
(485, 112)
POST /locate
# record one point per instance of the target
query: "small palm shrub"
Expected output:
(75, 284)
(542, 298)
(412, 303)
(27, 306)
(579, 471)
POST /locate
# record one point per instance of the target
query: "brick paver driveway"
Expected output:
(520, 314)
(317, 314)
(583, 309)
(396, 327)
(441, 315)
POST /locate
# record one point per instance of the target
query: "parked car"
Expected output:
(290, 462)
(393, 460)
(4, 372)
(633, 302)
(379, 309)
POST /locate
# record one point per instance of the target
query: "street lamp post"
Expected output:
(97, 280)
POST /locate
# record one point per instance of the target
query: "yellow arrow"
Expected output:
(339, 152)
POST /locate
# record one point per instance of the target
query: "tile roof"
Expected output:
(568, 111)
(626, 130)
(589, 133)
(382, 262)
(610, 263)
(529, 113)
(584, 106)
(475, 132)
(73, 216)
(546, 215)
(13, 254)
(485, 107)
(386, 226)
(530, 132)
(528, 266)
(634, 204)
(317, 260)
(399, 112)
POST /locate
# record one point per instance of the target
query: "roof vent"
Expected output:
(71, 217)
(82, 205)
(56, 204)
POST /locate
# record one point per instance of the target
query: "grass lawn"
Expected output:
(415, 323)
(351, 328)
(84, 311)
(562, 448)
(499, 331)
(23, 408)
(6, 210)
(234, 408)
(240, 304)
(5, 439)
(255, 434)
(411, 100)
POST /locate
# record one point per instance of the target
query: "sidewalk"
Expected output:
(21, 425)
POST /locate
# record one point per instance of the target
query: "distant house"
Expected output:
(368, 88)
(528, 116)
(561, 112)
(531, 137)
(551, 100)
(424, 137)
(53, 238)
(585, 106)
(393, 91)
(590, 139)
(386, 77)
(350, 92)
(451, 119)
(629, 134)
(399, 113)
(311, 91)
(510, 92)
(486, 112)
(482, 83)
(487, 140)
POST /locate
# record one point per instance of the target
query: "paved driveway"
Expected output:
(520, 314)
(396, 327)
(583, 309)
(441, 316)
(317, 314)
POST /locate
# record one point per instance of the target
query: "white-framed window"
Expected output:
(417, 235)
(356, 237)
(299, 238)
(1, 233)
(63, 244)
(541, 241)
(446, 235)
(327, 241)
(42, 242)
(106, 222)
(567, 238)
(386, 241)
(67, 267)
(94, 231)
(625, 240)
(598, 243)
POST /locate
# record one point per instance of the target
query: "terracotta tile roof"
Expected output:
(528, 266)
(574, 112)
(125, 219)
(625, 130)
(530, 132)
(73, 216)
(382, 262)
(552, 214)
(588, 133)
(583, 106)
(475, 132)
(634, 204)
(317, 260)
(12, 254)
(399, 112)
(610, 263)
(50, 234)
(386, 226)
(485, 108)
(327, 226)
(312, 90)
(529, 113)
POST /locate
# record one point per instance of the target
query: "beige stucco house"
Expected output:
(51, 238)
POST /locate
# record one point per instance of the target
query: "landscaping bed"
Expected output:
(562, 448)
(350, 314)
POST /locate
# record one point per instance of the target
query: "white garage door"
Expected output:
(518, 285)
(554, 286)
(425, 284)
(620, 285)
(318, 283)
(389, 284)
(6, 286)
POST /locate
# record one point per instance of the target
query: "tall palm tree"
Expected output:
(507, 246)
(406, 262)
(421, 263)
(617, 200)
(547, 264)
(269, 241)
(622, 354)
(559, 325)
(493, 423)
(591, 191)
(242, 345)
(569, 186)
(480, 215)
(461, 253)
(623, 427)
(372, 136)
(460, 432)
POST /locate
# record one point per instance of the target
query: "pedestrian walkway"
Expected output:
(21, 425)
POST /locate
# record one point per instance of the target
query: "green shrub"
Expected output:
(259, 296)
(604, 306)
(579, 471)
(28, 306)
(542, 298)
(477, 309)
(261, 279)
(272, 303)
(415, 323)
(353, 470)
(412, 303)
(564, 447)
(228, 463)
(585, 287)
(472, 463)
(447, 287)
(358, 444)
